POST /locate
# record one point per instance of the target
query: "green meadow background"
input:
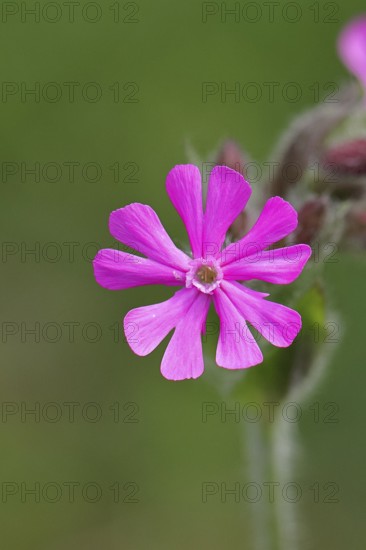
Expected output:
(150, 440)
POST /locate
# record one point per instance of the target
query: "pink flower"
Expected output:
(352, 48)
(211, 276)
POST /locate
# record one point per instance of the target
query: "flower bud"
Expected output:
(311, 218)
(348, 157)
(232, 156)
(305, 140)
(344, 167)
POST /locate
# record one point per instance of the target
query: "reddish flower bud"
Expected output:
(304, 141)
(347, 158)
(311, 219)
(232, 156)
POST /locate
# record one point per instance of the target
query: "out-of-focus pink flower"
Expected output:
(209, 276)
(352, 48)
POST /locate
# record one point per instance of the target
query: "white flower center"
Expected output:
(205, 275)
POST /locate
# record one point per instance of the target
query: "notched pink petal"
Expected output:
(236, 348)
(279, 266)
(183, 358)
(277, 220)
(276, 323)
(118, 270)
(184, 188)
(138, 226)
(145, 327)
(227, 195)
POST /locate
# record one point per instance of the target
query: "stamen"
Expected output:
(206, 274)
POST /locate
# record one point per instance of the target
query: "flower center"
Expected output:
(205, 275)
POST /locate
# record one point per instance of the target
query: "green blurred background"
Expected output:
(169, 452)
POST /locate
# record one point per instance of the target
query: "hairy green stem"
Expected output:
(270, 454)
